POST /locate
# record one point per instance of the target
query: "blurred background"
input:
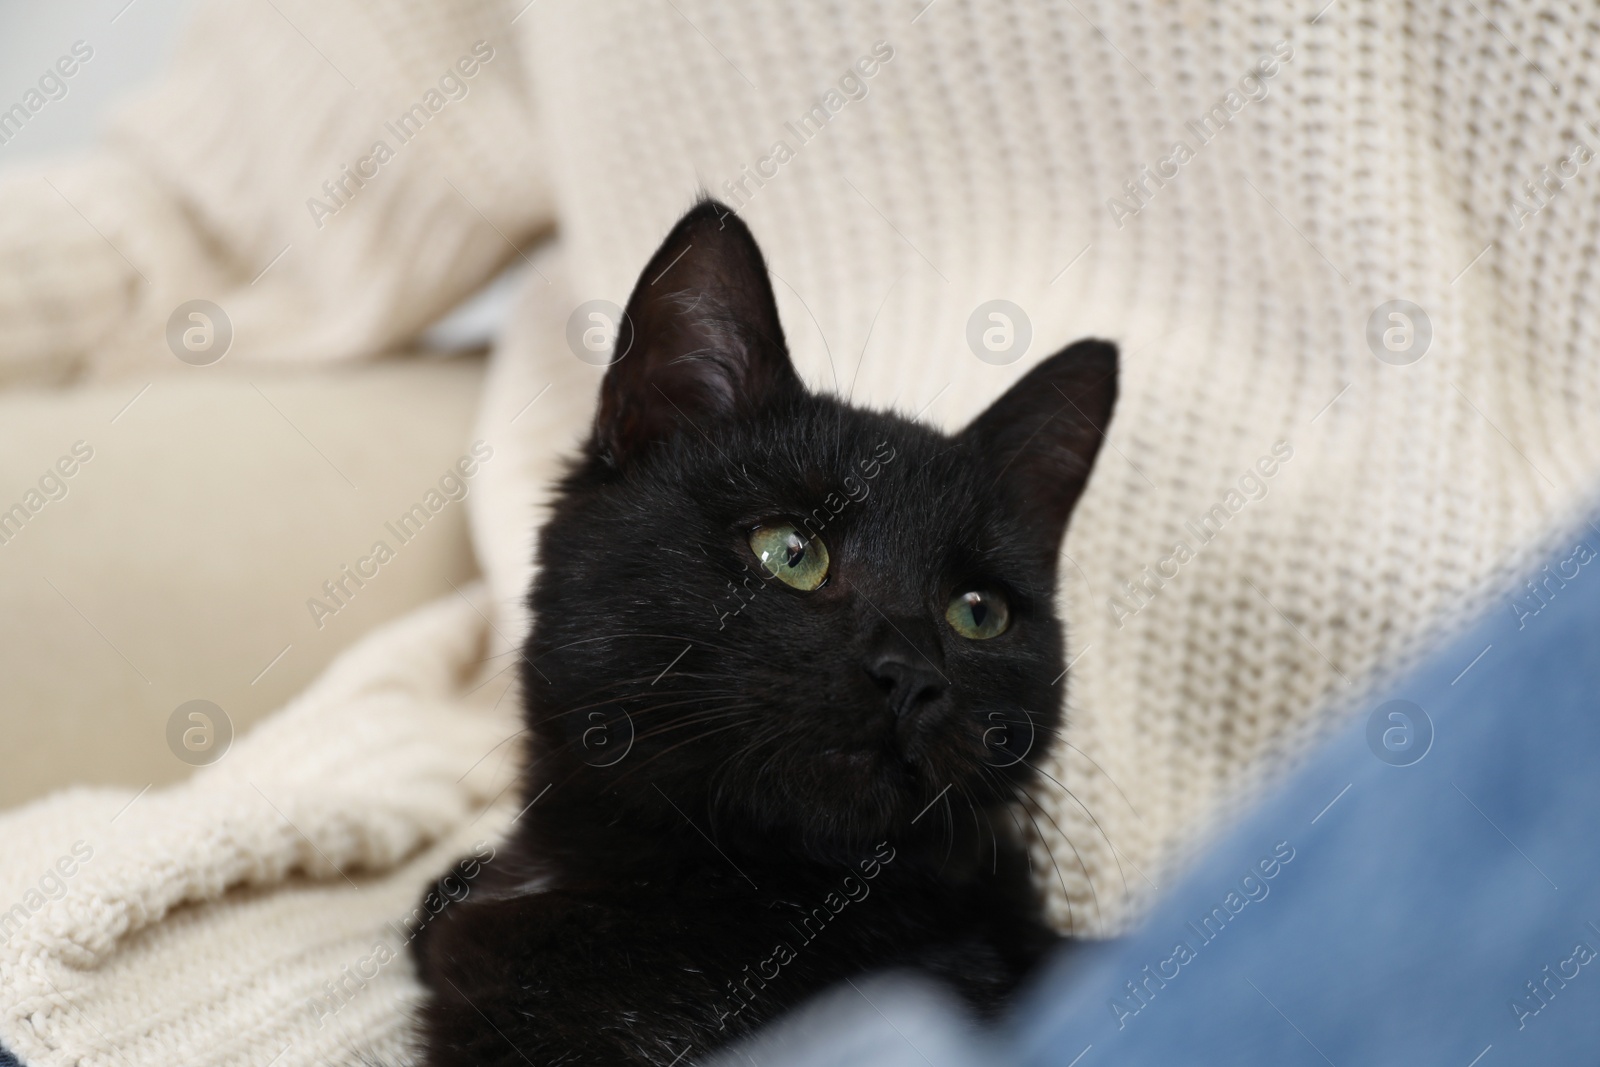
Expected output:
(143, 40)
(129, 612)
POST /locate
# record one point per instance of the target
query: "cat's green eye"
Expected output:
(978, 615)
(789, 556)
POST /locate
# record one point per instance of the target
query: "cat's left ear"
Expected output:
(1041, 437)
(701, 339)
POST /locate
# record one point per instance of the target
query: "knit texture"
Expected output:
(1435, 154)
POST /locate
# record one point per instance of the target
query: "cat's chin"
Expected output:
(864, 788)
(866, 767)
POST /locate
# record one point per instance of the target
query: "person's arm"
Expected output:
(333, 177)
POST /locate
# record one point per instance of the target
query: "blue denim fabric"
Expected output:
(1442, 904)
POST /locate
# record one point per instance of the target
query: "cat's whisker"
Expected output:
(535, 758)
(647, 681)
(636, 768)
(1108, 777)
(509, 737)
(492, 677)
(692, 695)
(1110, 843)
(1033, 801)
(1038, 770)
(701, 643)
(949, 832)
(755, 745)
(979, 825)
(497, 655)
(717, 708)
(1059, 734)
(713, 715)
(735, 712)
(510, 687)
(1072, 921)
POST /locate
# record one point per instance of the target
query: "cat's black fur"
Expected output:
(741, 793)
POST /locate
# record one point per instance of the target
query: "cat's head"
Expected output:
(793, 616)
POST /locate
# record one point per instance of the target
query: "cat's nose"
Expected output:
(908, 681)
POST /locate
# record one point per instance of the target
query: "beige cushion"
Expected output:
(179, 561)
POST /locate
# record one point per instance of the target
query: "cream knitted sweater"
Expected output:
(1231, 190)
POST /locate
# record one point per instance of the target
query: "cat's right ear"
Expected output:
(700, 341)
(1041, 437)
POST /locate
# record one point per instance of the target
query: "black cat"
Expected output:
(792, 662)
